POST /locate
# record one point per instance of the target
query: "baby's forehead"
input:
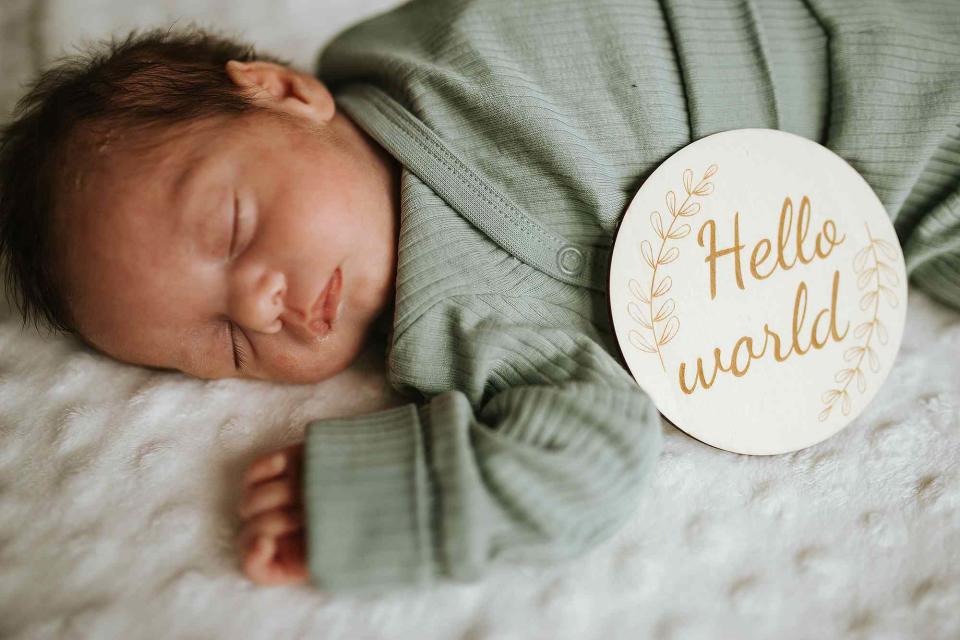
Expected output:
(121, 147)
(98, 161)
(105, 164)
(115, 224)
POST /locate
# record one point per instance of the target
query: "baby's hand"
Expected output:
(271, 541)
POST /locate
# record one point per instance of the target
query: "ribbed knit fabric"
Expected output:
(525, 128)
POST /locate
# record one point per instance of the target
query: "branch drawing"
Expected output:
(869, 268)
(664, 324)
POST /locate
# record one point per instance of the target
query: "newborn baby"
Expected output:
(454, 177)
(259, 244)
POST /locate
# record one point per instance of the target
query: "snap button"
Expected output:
(570, 260)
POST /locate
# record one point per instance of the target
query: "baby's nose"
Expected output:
(260, 304)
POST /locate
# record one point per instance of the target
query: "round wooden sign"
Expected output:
(758, 291)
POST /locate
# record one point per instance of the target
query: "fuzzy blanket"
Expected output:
(118, 484)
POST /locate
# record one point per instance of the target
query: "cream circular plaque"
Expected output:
(758, 291)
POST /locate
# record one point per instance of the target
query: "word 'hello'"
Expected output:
(827, 236)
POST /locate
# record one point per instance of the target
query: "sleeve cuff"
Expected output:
(365, 497)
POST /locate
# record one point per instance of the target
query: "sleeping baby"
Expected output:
(453, 177)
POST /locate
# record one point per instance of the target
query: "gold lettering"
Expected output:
(833, 310)
(799, 307)
(823, 243)
(783, 240)
(714, 253)
(754, 263)
(744, 349)
(734, 366)
(699, 376)
(776, 344)
(803, 226)
(829, 234)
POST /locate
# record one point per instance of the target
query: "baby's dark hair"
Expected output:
(147, 79)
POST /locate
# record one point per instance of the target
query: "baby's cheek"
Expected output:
(285, 361)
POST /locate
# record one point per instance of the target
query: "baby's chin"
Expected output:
(296, 372)
(311, 368)
(301, 377)
(293, 376)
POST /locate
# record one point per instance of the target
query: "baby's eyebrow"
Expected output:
(180, 192)
(186, 199)
(181, 181)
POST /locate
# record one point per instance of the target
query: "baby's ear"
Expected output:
(279, 87)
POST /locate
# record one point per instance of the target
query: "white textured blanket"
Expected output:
(117, 484)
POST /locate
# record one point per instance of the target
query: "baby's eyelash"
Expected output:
(238, 352)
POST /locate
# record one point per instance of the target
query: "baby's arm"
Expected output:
(539, 452)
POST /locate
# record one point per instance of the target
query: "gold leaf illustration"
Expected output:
(647, 251)
(865, 277)
(669, 330)
(889, 295)
(868, 299)
(691, 209)
(704, 190)
(881, 332)
(862, 329)
(886, 249)
(663, 287)
(657, 223)
(852, 353)
(638, 341)
(665, 310)
(843, 375)
(637, 292)
(637, 314)
(869, 266)
(655, 259)
(671, 255)
(860, 259)
(889, 274)
(679, 232)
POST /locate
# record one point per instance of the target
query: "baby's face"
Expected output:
(230, 233)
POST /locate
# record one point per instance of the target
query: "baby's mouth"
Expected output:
(326, 309)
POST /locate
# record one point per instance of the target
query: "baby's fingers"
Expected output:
(272, 548)
(265, 467)
(273, 494)
(257, 563)
(277, 561)
(287, 460)
(275, 522)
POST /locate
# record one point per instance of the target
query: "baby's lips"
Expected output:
(331, 306)
(319, 326)
(324, 310)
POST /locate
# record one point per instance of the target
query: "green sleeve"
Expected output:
(535, 473)
(930, 229)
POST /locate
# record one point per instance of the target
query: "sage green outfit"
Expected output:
(525, 128)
